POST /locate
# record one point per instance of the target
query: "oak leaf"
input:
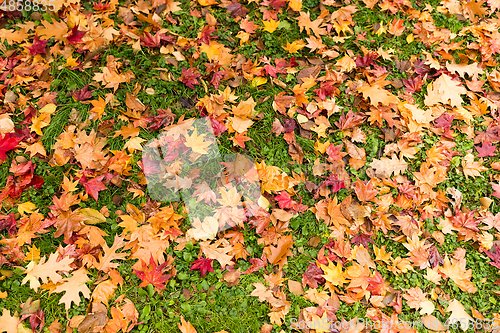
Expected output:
(73, 286)
(110, 254)
(46, 270)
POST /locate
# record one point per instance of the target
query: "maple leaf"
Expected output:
(472, 168)
(98, 108)
(189, 77)
(204, 192)
(377, 95)
(82, 94)
(456, 271)
(46, 270)
(285, 200)
(237, 9)
(94, 186)
(38, 46)
(72, 287)
(333, 273)
(282, 102)
(204, 265)
(75, 35)
(277, 255)
(165, 117)
(487, 149)
(68, 222)
(270, 26)
(495, 256)
(458, 314)
(152, 274)
(496, 188)
(197, 142)
(350, 120)
(7, 142)
(376, 283)
(364, 192)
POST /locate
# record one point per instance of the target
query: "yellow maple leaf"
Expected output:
(333, 274)
(197, 142)
(26, 207)
(295, 46)
(270, 26)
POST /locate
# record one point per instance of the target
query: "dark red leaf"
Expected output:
(237, 9)
(189, 77)
(76, 35)
(204, 265)
(38, 46)
(313, 276)
(83, 94)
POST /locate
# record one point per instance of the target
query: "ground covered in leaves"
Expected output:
(373, 125)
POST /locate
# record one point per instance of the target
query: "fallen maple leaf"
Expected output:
(204, 265)
(153, 274)
(7, 142)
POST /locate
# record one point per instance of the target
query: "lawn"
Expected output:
(249, 166)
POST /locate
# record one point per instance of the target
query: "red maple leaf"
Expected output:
(465, 220)
(313, 276)
(76, 35)
(164, 118)
(38, 46)
(444, 120)
(494, 255)
(83, 94)
(351, 120)
(376, 283)
(256, 264)
(334, 153)
(94, 186)
(152, 274)
(218, 127)
(189, 77)
(204, 265)
(285, 200)
(277, 4)
(151, 41)
(7, 142)
(217, 76)
(237, 9)
(367, 60)
(101, 6)
(487, 149)
(207, 33)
